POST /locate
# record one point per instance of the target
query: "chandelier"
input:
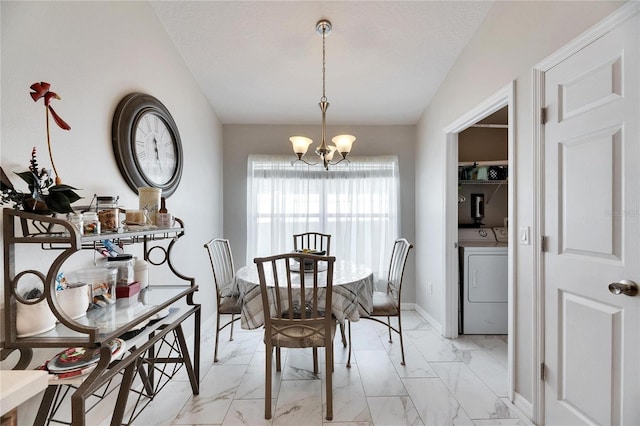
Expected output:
(342, 142)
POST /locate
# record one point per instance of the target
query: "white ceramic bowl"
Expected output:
(34, 319)
(74, 301)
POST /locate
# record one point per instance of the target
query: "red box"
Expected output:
(128, 291)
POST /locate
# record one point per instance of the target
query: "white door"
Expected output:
(592, 225)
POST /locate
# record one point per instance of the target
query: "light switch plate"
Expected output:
(523, 235)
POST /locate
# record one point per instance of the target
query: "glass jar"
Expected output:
(76, 220)
(164, 220)
(108, 213)
(149, 199)
(90, 223)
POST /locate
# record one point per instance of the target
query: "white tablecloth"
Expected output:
(352, 293)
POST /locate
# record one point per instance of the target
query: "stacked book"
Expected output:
(78, 361)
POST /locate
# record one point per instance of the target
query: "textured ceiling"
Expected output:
(260, 62)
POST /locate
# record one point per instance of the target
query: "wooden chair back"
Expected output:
(296, 301)
(314, 241)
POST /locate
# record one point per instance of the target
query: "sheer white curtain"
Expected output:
(357, 203)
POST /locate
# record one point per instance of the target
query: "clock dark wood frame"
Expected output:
(123, 132)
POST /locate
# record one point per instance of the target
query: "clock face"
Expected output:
(146, 144)
(155, 148)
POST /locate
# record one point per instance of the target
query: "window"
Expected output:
(358, 204)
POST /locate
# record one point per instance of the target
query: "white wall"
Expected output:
(513, 38)
(94, 53)
(242, 140)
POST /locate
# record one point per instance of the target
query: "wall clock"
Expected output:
(146, 143)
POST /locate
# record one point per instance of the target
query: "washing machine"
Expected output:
(483, 280)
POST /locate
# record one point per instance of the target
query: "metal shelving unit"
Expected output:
(93, 331)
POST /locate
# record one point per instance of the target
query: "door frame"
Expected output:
(609, 23)
(450, 295)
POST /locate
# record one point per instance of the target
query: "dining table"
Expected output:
(352, 295)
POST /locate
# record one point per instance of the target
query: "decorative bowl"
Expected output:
(74, 301)
(34, 319)
(308, 263)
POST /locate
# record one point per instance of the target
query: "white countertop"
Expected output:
(17, 386)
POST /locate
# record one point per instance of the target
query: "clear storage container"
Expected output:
(102, 282)
(124, 265)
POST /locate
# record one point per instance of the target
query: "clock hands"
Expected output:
(155, 148)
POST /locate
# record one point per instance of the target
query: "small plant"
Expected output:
(46, 194)
(43, 194)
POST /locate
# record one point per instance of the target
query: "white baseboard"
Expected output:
(524, 406)
(407, 306)
(429, 319)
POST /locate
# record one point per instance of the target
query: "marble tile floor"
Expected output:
(445, 382)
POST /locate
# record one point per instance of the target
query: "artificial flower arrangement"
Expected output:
(46, 193)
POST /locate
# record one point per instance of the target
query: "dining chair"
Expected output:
(295, 316)
(320, 242)
(387, 303)
(313, 241)
(224, 274)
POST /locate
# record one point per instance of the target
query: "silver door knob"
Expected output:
(626, 287)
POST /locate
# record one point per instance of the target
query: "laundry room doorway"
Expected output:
(479, 205)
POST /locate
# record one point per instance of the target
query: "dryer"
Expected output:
(483, 280)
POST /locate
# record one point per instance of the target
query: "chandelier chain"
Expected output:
(324, 97)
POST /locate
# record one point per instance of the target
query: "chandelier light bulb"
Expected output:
(329, 155)
(343, 143)
(300, 144)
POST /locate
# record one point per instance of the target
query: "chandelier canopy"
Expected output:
(342, 142)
